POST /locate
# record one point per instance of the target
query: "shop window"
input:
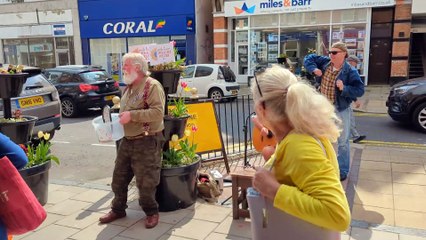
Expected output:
(147, 40)
(350, 15)
(240, 23)
(291, 19)
(264, 48)
(107, 53)
(42, 52)
(264, 20)
(16, 51)
(354, 37)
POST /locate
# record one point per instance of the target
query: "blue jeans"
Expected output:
(354, 132)
(343, 148)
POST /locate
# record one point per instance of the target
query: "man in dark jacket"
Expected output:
(340, 83)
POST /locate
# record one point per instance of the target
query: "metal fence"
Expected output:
(236, 127)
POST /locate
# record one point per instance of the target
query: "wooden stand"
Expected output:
(241, 180)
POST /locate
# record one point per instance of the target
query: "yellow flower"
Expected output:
(40, 134)
(46, 136)
(187, 89)
(175, 138)
(187, 132)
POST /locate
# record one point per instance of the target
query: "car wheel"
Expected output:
(216, 94)
(419, 117)
(69, 108)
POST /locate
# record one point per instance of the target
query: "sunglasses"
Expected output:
(334, 52)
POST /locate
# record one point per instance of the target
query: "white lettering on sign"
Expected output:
(128, 27)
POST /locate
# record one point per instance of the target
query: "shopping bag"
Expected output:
(20, 210)
(268, 222)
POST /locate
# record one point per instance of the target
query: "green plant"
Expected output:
(17, 117)
(40, 153)
(180, 109)
(282, 55)
(181, 151)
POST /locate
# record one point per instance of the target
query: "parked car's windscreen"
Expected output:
(94, 76)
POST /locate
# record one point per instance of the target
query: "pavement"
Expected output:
(386, 191)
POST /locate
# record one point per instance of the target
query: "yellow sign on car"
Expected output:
(30, 102)
(110, 97)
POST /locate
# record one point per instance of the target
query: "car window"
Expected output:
(203, 71)
(65, 78)
(52, 76)
(37, 80)
(220, 74)
(94, 76)
(189, 72)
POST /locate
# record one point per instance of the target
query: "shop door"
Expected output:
(62, 57)
(379, 65)
(242, 59)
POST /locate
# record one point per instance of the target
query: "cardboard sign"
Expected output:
(208, 136)
(155, 53)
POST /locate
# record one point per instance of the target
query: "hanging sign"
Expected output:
(155, 53)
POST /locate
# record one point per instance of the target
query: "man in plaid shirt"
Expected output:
(341, 84)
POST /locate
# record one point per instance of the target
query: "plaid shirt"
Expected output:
(328, 83)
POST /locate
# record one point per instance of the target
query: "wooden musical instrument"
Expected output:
(260, 141)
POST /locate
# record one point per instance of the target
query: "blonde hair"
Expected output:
(138, 58)
(306, 110)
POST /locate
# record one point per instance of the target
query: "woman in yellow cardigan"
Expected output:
(305, 180)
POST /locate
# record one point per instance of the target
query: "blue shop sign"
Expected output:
(138, 27)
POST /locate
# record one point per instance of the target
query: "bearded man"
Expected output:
(341, 84)
(139, 152)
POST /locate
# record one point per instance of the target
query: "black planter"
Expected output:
(168, 78)
(282, 60)
(11, 84)
(178, 187)
(37, 178)
(173, 125)
(19, 132)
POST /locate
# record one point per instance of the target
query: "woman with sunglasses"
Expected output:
(304, 181)
(341, 84)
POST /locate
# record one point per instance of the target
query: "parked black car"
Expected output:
(81, 87)
(407, 102)
(38, 98)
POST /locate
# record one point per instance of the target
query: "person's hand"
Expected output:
(317, 72)
(357, 104)
(124, 117)
(264, 182)
(339, 84)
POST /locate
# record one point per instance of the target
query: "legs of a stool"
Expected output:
(235, 198)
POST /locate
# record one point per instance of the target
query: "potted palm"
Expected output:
(36, 172)
(178, 177)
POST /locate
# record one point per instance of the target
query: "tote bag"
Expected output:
(20, 210)
(270, 223)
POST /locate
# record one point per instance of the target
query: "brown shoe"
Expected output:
(151, 221)
(111, 216)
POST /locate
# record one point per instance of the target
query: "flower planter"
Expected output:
(173, 125)
(168, 78)
(178, 187)
(19, 132)
(11, 84)
(37, 178)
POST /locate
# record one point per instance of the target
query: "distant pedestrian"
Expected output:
(341, 84)
(356, 137)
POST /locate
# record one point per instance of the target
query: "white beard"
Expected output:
(129, 78)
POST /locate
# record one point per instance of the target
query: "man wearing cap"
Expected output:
(139, 152)
(341, 84)
(356, 137)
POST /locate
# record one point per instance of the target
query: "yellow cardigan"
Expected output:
(310, 185)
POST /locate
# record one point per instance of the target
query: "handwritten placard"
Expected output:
(155, 53)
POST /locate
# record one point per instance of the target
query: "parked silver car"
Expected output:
(38, 98)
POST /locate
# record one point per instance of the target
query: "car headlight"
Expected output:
(404, 89)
